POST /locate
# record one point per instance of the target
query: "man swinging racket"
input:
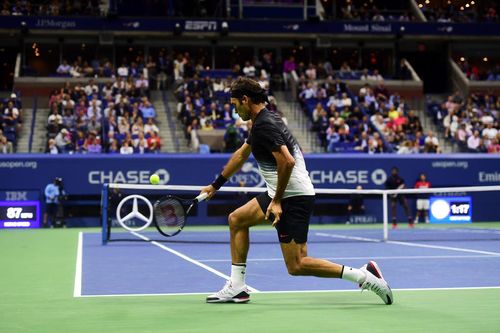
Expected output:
(288, 202)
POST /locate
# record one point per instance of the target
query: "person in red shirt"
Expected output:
(422, 199)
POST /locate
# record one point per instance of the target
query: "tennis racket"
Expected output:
(171, 213)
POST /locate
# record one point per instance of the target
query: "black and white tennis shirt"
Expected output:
(268, 133)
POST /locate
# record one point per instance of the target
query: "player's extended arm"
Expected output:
(285, 163)
(233, 165)
(237, 160)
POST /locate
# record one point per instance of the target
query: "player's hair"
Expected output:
(244, 86)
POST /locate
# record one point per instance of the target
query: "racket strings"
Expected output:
(169, 215)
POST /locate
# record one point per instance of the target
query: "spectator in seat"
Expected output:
(249, 69)
(494, 146)
(154, 143)
(431, 143)
(126, 149)
(148, 110)
(63, 141)
(151, 126)
(6, 147)
(474, 142)
(140, 144)
(64, 68)
(289, 71)
(52, 147)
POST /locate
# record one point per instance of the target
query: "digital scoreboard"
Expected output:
(450, 209)
(19, 214)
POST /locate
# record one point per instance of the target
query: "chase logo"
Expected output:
(360, 177)
(97, 177)
(249, 175)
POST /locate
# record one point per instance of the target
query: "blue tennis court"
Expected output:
(199, 261)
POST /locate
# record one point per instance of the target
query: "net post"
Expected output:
(104, 213)
(385, 216)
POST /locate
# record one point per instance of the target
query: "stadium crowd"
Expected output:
(372, 120)
(52, 8)
(472, 123)
(10, 123)
(478, 70)
(458, 12)
(117, 117)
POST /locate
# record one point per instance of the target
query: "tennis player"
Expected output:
(287, 204)
(395, 182)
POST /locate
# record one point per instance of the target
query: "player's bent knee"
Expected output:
(294, 269)
(233, 220)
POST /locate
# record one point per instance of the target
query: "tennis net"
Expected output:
(345, 215)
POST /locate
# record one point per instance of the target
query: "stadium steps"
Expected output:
(23, 139)
(179, 129)
(167, 137)
(428, 124)
(40, 131)
(297, 122)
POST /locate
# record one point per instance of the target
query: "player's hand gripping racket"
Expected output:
(171, 213)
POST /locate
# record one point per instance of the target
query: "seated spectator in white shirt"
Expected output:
(142, 83)
(94, 110)
(474, 141)
(122, 71)
(311, 72)
(151, 126)
(309, 92)
(55, 116)
(487, 118)
(126, 149)
(218, 85)
(110, 110)
(52, 147)
(91, 88)
(375, 76)
(249, 69)
(431, 143)
(345, 100)
(489, 132)
(64, 68)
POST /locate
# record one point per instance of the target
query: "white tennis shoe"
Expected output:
(228, 294)
(375, 282)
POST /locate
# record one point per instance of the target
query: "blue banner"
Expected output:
(85, 174)
(24, 175)
(248, 26)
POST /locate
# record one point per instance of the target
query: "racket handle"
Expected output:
(201, 197)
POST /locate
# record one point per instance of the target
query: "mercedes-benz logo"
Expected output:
(134, 213)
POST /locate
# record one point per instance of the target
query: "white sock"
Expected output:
(353, 275)
(238, 275)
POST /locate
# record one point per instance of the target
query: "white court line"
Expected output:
(191, 260)
(366, 258)
(77, 292)
(296, 291)
(459, 249)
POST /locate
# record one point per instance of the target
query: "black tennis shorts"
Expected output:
(294, 222)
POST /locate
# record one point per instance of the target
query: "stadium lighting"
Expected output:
(224, 29)
(177, 29)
